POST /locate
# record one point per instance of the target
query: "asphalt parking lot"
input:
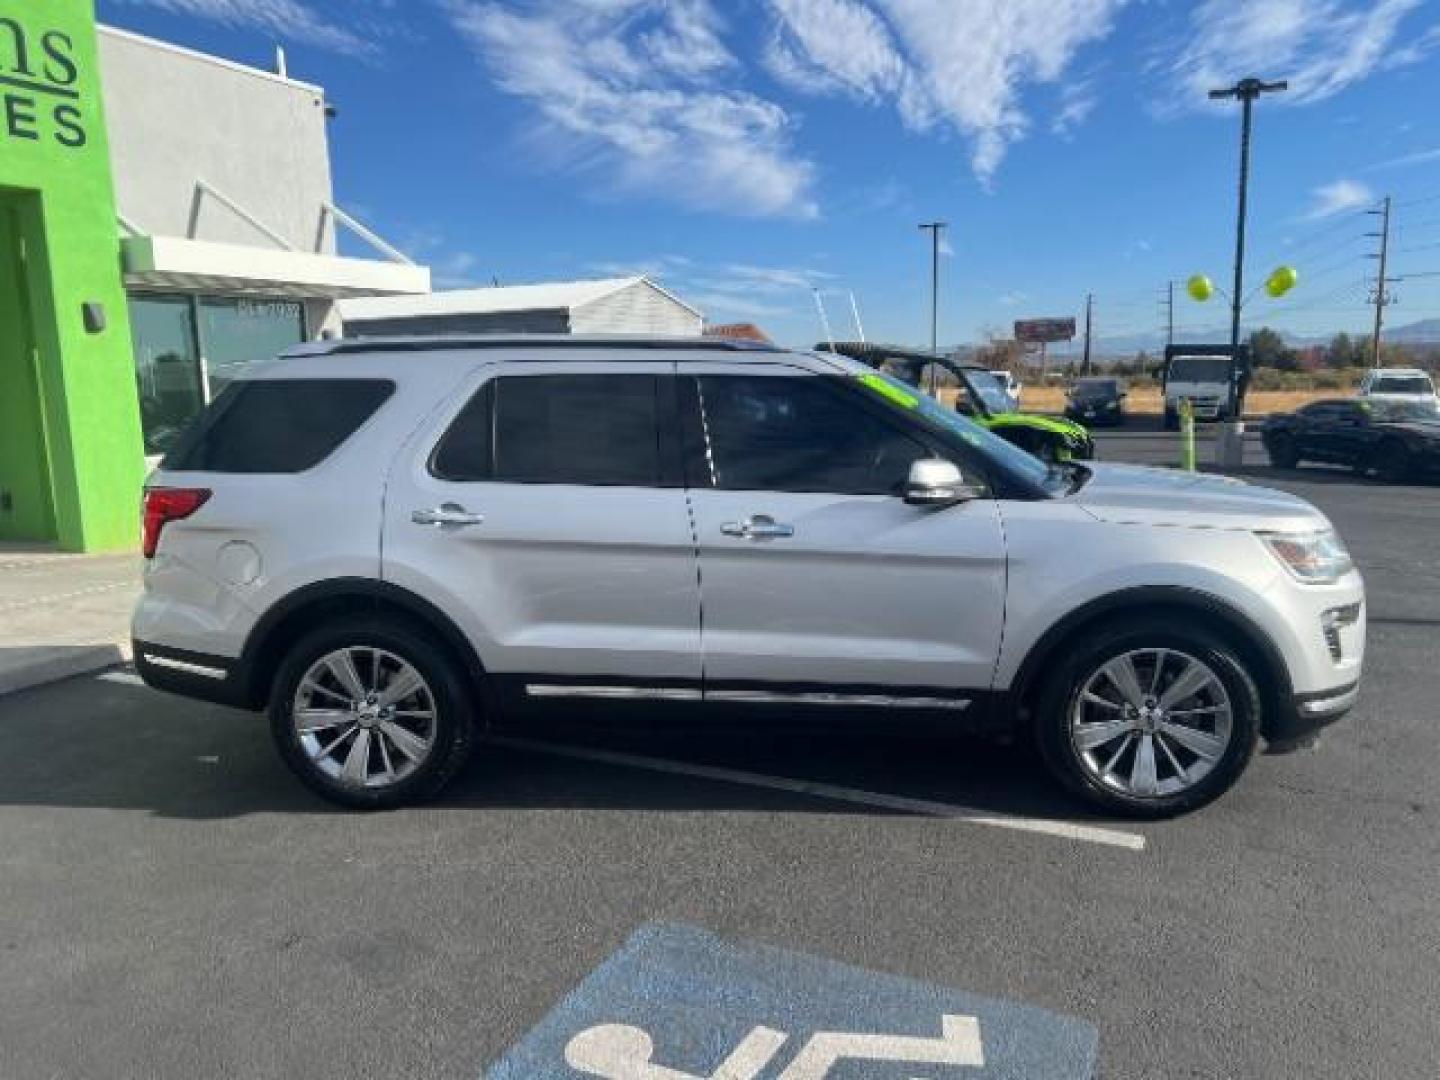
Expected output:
(172, 904)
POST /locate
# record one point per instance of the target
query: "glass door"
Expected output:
(237, 331)
(167, 367)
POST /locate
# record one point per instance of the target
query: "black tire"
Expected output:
(1284, 454)
(451, 729)
(1390, 461)
(1129, 635)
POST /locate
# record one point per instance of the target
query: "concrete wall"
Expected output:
(176, 117)
(639, 309)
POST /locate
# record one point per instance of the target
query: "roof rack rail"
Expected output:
(435, 343)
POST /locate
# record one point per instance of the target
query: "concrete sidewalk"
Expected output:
(62, 615)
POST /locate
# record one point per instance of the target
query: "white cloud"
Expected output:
(1077, 101)
(1327, 200)
(1417, 158)
(628, 89)
(942, 64)
(291, 20)
(1319, 46)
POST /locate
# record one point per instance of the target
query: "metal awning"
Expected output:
(176, 263)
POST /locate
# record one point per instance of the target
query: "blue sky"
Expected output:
(744, 152)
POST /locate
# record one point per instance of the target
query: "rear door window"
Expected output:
(276, 425)
(598, 430)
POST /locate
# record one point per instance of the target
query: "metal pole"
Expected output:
(1380, 297)
(824, 319)
(1247, 90)
(855, 311)
(935, 228)
(1089, 303)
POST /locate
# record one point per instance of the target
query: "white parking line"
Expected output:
(1066, 830)
(125, 678)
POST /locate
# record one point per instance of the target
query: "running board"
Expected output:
(743, 697)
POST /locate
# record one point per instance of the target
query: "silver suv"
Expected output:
(390, 544)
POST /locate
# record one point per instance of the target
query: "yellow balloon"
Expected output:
(1199, 288)
(1281, 281)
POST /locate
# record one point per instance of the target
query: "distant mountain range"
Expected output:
(1425, 331)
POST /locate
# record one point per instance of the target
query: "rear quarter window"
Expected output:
(276, 425)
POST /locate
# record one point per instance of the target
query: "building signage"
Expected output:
(1035, 331)
(39, 85)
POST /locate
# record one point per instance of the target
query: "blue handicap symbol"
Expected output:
(679, 1003)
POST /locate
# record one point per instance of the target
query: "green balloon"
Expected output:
(1281, 281)
(1200, 288)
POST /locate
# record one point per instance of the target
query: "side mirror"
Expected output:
(938, 483)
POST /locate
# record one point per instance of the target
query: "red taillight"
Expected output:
(164, 505)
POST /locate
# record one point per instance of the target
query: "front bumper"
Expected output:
(1298, 726)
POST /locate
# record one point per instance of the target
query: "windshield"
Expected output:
(900, 395)
(1096, 388)
(1402, 384)
(1200, 369)
(991, 392)
(1393, 411)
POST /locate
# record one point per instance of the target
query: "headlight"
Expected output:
(1317, 557)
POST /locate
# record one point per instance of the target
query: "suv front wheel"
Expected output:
(1149, 718)
(371, 714)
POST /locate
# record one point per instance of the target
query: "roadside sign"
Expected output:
(679, 1003)
(1039, 331)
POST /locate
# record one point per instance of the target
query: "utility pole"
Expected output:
(935, 228)
(1246, 91)
(1089, 304)
(1382, 297)
(1170, 313)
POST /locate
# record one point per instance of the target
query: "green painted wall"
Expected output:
(55, 172)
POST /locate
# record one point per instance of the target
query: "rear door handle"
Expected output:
(758, 527)
(446, 514)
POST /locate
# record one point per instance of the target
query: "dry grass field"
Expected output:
(1051, 399)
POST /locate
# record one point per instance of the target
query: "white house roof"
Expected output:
(551, 296)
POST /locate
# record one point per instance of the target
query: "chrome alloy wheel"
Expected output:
(364, 716)
(1151, 723)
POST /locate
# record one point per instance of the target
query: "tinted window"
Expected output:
(467, 452)
(577, 429)
(799, 434)
(1201, 369)
(277, 425)
(1401, 384)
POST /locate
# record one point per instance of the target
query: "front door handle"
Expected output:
(758, 527)
(446, 514)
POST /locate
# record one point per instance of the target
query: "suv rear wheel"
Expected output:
(371, 714)
(1150, 719)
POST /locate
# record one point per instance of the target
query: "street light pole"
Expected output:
(935, 228)
(1246, 90)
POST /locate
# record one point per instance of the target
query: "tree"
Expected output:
(1268, 349)
(1344, 352)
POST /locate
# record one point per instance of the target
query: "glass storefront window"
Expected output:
(167, 367)
(236, 332)
(171, 333)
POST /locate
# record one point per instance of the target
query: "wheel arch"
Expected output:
(284, 623)
(1261, 654)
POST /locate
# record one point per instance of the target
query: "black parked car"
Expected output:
(1096, 402)
(1392, 439)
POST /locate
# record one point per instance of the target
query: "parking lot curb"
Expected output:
(26, 667)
